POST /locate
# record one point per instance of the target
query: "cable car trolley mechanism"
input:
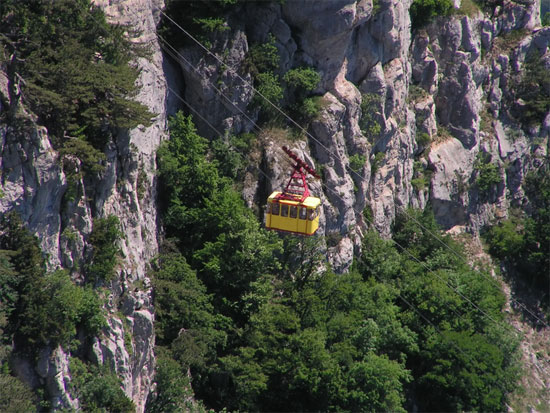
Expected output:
(294, 210)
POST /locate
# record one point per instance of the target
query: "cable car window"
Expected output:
(311, 214)
(303, 213)
(275, 208)
(293, 211)
(284, 210)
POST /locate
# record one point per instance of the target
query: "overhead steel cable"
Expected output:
(335, 156)
(422, 263)
(398, 294)
(409, 304)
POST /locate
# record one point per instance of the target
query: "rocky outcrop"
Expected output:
(477, 62)
(60, 211)
(421, 109)
(448, 82)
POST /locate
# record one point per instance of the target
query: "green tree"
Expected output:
(105, 234)
(173, 391)
(98, 388)
(269, 92)
(15, 396)
(75, 68)
(534, 90)
(424, 11)
(465, 372)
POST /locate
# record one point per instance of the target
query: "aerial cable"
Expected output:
(423, 264)
(335, 156)
(380, 280)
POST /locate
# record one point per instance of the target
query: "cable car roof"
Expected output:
(309, 202)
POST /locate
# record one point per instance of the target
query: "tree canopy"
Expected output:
(263, 324)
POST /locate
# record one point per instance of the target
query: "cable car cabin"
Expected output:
(293, 210)
(292, 216)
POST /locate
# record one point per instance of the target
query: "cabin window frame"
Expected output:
(311, 214)
(293, 212)
(284, 210)
(275, 208)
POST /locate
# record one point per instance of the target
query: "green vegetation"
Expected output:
(357, 162)
(105, 234)
(488, 174)
(522, 242)
(42, 308)
(424, 11)
(15, 396)
(300, 83)
(74, 68)
(211, 24)
(263, 57)
(173, 392)
(270, 92)
(261, 326)
(368, 123)
(376, 7)
(423, 139)
(202, 18)
(416, 93)
(534, 90)
(378, 159)
(263, 63)
(37, 309)
(295, 86)
(468, 8)
(545, 19)
(98, 389)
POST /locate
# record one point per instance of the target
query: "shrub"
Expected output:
(378, 158)
(423, 139)
(264, 57)
(368, 123)
(534, 90)
(504, 240)
(212, 24)
(302, 79)
(488, 173)
(357, 162)
(468, 8)
(98, 388)
(424, 11)
(90, 157)
(545, 20)
(105, 234)
(269, 90)
(310, 107)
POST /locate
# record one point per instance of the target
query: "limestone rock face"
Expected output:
(448, 83)
(406, 119)
(61, 211)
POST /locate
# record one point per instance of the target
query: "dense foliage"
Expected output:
(105, 234)
(263, 324)
(523, 242)
(42, 308)
(424, 11)
(98, 389)
(39, 309)
(73, 70)
(534, 90)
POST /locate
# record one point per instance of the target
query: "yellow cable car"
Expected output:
(294, 210)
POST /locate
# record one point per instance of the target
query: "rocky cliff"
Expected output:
(441, 96)
(441, 100)
(34, 184)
